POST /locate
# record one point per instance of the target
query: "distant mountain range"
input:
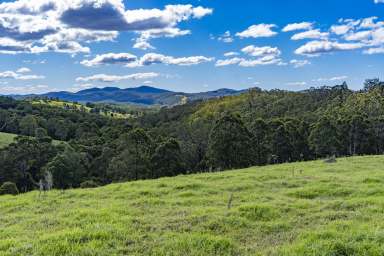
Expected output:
(143, 95)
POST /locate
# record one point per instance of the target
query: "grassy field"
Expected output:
(310, 208)
(6, 139)
(78, 106)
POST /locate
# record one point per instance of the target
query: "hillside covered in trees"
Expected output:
(254, 128)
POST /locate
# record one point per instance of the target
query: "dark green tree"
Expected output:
(67, 169)
(259, 131)
(230, 144)
(167, 159)
(133, 162)
(323, 138)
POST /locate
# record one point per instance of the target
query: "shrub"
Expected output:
(9, 188)
(89, 184)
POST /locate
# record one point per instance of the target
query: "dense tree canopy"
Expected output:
(254, 128)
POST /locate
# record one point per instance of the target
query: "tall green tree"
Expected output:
(133, 162)
(259, 131)
(28, 125)
(167, 159)
(230, 144)
(323, 138)
(279, 142)
(67, 169)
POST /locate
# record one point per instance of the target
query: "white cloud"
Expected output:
(261, 51)
(256, 31)
(227, 62)
(299, 63)
(266, 60)
(298, 26)
(359, 36)
(296, 83)
(242, 62)
(116, 78)
(265, 55)
(230, 54)
(331, 79)
(226, 37)
(110, 58)
(145, 36)
(18, 75)
(130, 60)
(340, 29)
(143, 45)
(35, 26)
(314, 48)
(371, 51)
(154, 58)
(310, 34)
(23, 70)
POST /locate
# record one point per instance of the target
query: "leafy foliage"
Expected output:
(8, 188)
(254, 128)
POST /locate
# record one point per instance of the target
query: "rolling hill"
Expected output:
(143, 95)
(307, 208)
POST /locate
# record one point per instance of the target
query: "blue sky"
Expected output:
(188, 45)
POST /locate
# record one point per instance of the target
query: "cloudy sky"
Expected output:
(195, 45)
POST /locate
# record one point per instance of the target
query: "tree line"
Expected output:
(255, 128)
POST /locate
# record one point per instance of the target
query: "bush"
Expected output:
(89, 184)
(9, 188)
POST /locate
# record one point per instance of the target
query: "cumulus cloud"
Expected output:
(227, 62)
(19, 75)
(142, 42)
(256, 56)
(111, 15)
(230, 54)
(314, 48)
(226, 37)
(115, 78)
(331, 79)
(23, 70)
(310, 34)
(48, 25)
(298, 26)
(148, 59)
(265, 55)
(299, 63)
(261, 51)
(256, 31)
(367, 32)
(110, 58)
(155, 58)
(296, 83)
(371, 51)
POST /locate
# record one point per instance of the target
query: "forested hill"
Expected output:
(254, 128)
(143, 95)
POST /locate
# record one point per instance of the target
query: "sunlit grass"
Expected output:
(6, 139)
(308, 208)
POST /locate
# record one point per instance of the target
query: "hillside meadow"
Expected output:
(6, 139)
(307, 208)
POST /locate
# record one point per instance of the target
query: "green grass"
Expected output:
(78, 106)
(6, 139)
(308, 208)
